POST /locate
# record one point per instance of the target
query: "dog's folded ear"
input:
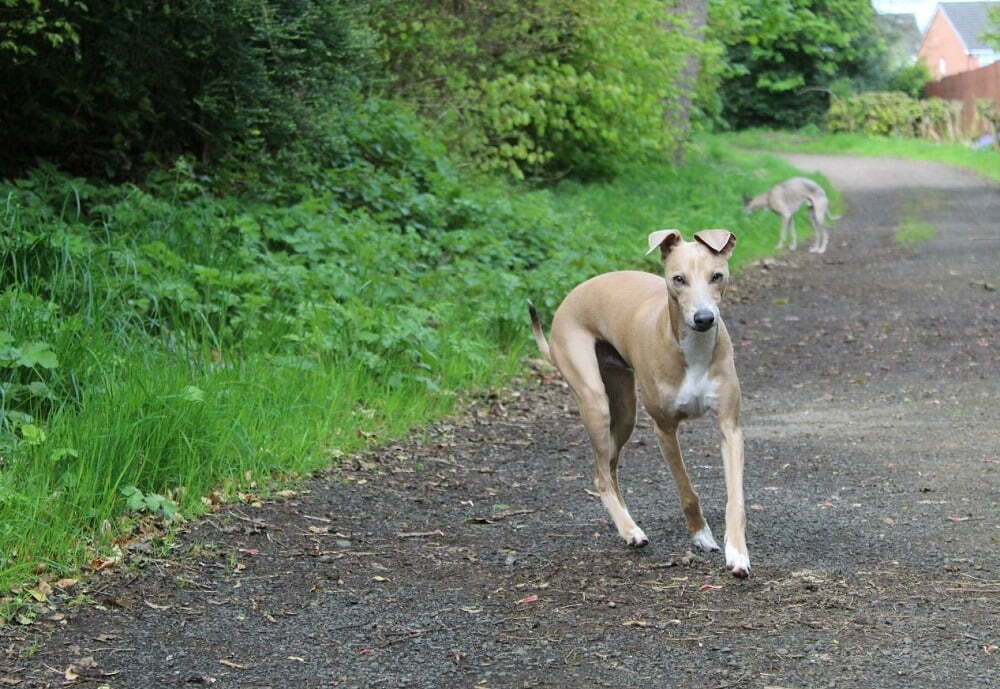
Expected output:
(717, 241)
(664, 240)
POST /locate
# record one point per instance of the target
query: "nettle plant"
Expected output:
(150, 503)
(24, 390)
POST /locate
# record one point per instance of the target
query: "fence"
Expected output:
(969, 87)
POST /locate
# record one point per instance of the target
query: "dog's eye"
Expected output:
(717, 277)
(680, 280)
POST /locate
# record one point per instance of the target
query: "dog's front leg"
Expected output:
(701, 534)
(737, 557)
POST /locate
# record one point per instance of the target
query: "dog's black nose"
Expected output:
(703, 319)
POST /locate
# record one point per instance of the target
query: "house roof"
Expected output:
(971, 20)
(900, 32)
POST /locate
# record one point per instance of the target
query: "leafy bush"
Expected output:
(910, 79)
(543, 87)
(121, 85)
(783, 58)
(895, 114)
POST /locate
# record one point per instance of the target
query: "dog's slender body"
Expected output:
(626, 331)
(785, 199)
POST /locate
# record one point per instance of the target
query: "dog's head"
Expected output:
(696, 272)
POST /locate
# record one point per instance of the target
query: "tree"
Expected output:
(783, 57)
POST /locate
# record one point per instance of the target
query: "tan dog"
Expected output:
(623, 328)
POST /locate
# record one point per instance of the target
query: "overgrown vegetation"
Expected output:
(785, 58)
(177, 361)
(896, 114)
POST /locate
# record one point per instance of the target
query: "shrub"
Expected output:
(544, 87)
(123, 84)
(895, 114)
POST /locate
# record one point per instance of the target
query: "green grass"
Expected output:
(610, 220)
(913, 229)
(985, 161)
(183, 419)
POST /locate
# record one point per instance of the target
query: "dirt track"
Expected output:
(871, 379)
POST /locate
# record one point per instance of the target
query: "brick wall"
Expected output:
(942, 47)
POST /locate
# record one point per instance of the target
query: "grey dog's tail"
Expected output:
(536, 330)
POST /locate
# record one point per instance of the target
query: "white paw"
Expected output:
(737, 562)
(637, 538)
(704, 540)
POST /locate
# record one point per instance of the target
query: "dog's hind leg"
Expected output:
(701, 534)
(608, 416)
(818, 229)
(785, 219)
(791, 229)
(619, 385)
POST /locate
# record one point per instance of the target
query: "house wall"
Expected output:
(942, 49)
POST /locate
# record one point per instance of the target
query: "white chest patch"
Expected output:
(697, 392)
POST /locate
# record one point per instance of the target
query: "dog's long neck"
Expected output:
(696, 347)
(757, 203)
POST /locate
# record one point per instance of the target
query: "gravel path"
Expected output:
(475, 557)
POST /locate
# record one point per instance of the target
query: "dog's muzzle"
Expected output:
(703, 320)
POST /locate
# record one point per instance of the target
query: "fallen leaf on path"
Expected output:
(64, 584)
(472, 611)
(889, 520)
(635, 623)
(756, 506)
(959, 519)
(378, 578)
(250, 551)
(297, 658)
(709, 587)
(990, 649)
(154, 606)
(419, 534)
(366, 651)
(10, 681)
(528, 599)
(229, 663)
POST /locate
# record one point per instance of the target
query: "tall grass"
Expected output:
(180, 411)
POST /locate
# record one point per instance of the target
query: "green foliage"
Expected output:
(149, 80)
(992, 37)
(27, 28)
(896, 114)
(910, 79)
(985, 161)
(543, 87)
(199, 338)
(783, 57)
(151, 503)
(27, 369)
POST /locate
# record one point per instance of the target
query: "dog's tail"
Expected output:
(536, 330)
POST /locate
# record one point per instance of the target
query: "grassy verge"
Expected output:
(985, 162)
(144, 366)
